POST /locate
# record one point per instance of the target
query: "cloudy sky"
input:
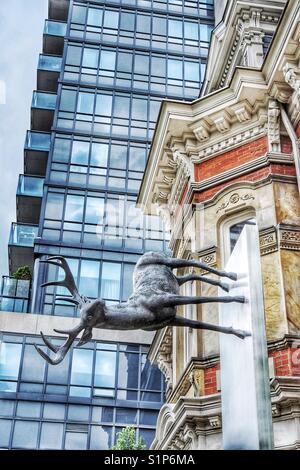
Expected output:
(21, 27)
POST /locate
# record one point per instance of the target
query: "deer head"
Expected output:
(91, 313)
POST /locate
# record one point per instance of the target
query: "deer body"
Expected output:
(151, 306)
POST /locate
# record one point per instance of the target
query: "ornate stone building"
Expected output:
(230, 156)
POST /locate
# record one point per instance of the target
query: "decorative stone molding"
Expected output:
(275, 409)
(234, 199)
(208, 256)
(292, 76)
(215, 421)
(274, 126)
(231, 142)
(280, 92)
(289, 238)
(182, 161)
(196, 379)
(222, 122)
(202, 132)
(268, 241)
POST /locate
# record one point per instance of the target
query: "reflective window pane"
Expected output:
(33, 367)
(110, 280)
(105, 369)
(76, 441)
(25, 434)
(128, 370)
(81, 373)
(89, 278)
(101, 438)
(10, 355)
(51, 436)
(5, 430)
(74, 208)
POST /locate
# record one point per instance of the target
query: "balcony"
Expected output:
(29, 199)
(58, 9)
(42, 110)
(14, 295)
(20, 245)
(49, 68)
(54, 35)
(37, 146)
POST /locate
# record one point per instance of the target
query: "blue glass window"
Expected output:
(111, 19)
(127, 21)
(103, 105)
(85, 103)
(121, 107)
(90, 58)
(191, 71)
(74, 55)
(108, 60)
(51, 436)
(89, 275)
(10, 355)
(175, 28)
(110, 280)
(191, 30)
(99, 154)
(94, 210)
(54, 206)
(68, 100)
(94, 17)
(81, 373)
(74, 208)
(33, 365)
(80, 152)
(105, 369)
(61, 150)
(25, 434)
(175, 69)
(78, 14)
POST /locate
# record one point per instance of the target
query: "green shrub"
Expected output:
(22, 273)
(126, 440)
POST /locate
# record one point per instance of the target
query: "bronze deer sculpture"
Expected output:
(151, 306)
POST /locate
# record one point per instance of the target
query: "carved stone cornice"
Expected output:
(268, 241)
(289, 237)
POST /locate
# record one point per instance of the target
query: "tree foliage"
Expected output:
(126, 440)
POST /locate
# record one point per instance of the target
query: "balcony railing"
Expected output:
(49, 63)
(55, 28)
(39, 141)
(43, 100)
(23, 235)
(14, 294)
(30, 186)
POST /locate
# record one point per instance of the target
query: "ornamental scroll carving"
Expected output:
(234, 199)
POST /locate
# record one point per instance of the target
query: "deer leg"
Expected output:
(172, 300)
(194, 277)
(199, 325)
(185, 263)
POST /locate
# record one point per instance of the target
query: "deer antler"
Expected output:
(61, 351)
(67, 282)
(77, 299)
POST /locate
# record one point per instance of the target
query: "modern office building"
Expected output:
(103, 72)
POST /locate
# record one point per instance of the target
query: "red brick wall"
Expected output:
(210, 380)
(233, 158)
(298, 130)
(286, 362)
(286, 144)
(251, 176)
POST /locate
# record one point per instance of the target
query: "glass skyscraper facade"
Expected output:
(105, 67)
